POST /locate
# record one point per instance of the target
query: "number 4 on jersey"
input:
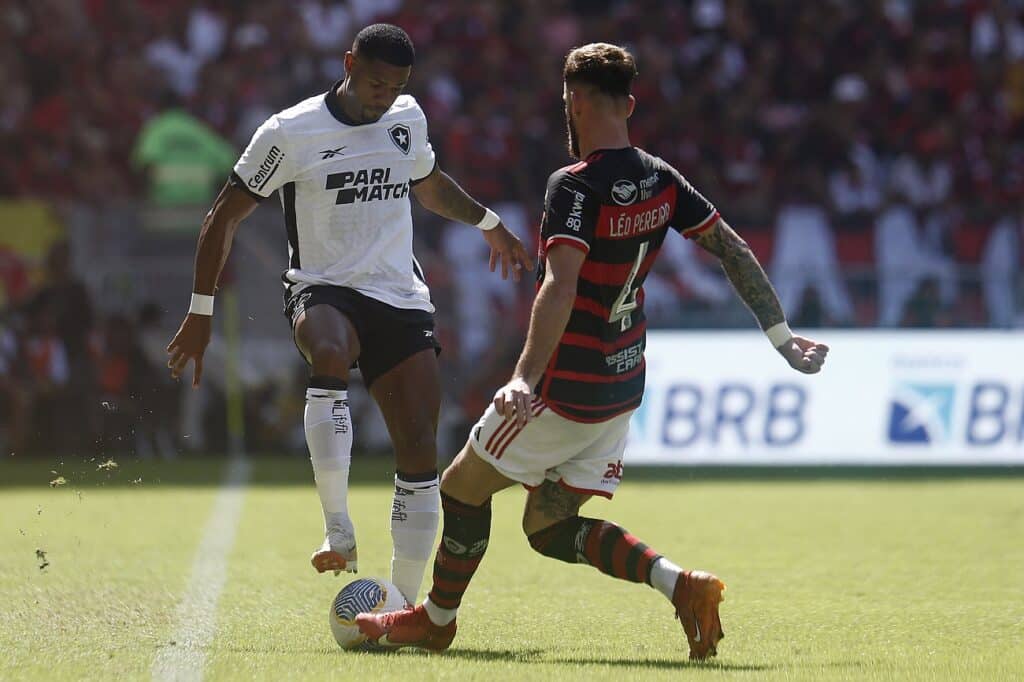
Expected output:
(625, 303)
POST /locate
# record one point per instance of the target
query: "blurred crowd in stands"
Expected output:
(871, 152)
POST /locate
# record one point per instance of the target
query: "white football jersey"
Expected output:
(344, 189)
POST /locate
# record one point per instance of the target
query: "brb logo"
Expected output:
(730, 414)
(921, 413)
(985, 414)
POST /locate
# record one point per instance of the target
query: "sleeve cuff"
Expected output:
(568, 240)
(236, 180)
(691, 232)
(416, 181)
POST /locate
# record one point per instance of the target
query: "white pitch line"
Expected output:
(196, 621)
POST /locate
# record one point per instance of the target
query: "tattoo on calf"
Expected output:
(745, 273)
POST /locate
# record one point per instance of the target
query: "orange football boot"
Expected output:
(696, 598)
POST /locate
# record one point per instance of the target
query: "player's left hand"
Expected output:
(509, 251)
(804, 355)
(512, 401)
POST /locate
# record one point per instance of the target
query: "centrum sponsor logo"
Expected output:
(267, 168)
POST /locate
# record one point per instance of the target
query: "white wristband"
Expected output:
(779, 334)
(489, 221)
(201, 305)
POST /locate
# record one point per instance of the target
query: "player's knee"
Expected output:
(457, 479)
(330, 358)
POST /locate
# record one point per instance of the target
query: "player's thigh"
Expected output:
(549, 503)
(327, 339)
(409, 396)
(597, 468)
(471, 480)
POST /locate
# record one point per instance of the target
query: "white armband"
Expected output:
(489, 221)
(201, 305)
(779, 334)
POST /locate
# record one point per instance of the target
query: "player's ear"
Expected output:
(576, 101)
(630, 106)
(350, 59)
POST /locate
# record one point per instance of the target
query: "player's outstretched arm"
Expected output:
(752, 284)
(230, 208)
(440, 194)
(550, 315)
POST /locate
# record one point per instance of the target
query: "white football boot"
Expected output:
(338, 553)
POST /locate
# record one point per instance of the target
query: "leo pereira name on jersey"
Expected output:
(344, 189)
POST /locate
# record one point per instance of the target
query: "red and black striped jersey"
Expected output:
(616, 206)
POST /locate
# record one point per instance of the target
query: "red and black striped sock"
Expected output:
(602, 544)
(464, 538)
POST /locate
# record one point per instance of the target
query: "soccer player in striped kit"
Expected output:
(559, 426)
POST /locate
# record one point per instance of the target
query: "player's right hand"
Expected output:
(512, 401)
(509, 251)
(189, 344)
(804, 355)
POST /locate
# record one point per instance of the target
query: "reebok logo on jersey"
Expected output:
(372, 184)
(267, 168)
(331, 153)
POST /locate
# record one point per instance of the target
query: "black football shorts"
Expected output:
(387, 335)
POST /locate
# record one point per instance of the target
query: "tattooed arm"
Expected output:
(751, 283)
(744, 272)
(440, 194)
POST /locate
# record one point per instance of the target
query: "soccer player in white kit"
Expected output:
(344, 163)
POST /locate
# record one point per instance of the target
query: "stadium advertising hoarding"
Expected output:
(884, 398)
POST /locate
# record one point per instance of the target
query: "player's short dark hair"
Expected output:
(385, 42)
(608, 68)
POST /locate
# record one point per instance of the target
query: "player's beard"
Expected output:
(572, 139)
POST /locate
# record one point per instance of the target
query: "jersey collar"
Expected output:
(334, 105)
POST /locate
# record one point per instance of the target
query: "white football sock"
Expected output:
(664, 575)
(414, 517)
(437, 615)
(329, 438)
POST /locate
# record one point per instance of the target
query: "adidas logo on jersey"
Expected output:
(372, 184)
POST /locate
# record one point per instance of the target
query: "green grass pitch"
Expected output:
(883, 577)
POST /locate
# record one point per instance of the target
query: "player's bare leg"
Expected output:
(466, 489)
(555, 529)
(409, 396)
(329, 342)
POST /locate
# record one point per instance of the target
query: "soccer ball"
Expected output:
(364, 595)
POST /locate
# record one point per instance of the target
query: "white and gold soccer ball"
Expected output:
(365, 595)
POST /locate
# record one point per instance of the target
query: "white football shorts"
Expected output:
(584, 458)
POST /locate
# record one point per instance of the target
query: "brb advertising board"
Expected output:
(909, 397)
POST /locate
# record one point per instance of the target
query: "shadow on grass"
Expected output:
(536, 657)
(378, 469)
